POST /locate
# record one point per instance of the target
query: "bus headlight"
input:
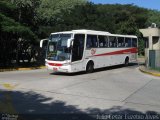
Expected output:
(65, 64)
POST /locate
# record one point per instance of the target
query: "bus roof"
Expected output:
(94, 32)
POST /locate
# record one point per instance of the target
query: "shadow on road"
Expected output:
(96, 70)
(33, 106)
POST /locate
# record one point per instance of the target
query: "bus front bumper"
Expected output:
(64, 68)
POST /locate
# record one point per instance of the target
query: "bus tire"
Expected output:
(90, 67)
(126, 62)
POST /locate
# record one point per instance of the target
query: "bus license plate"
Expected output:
(55, 69)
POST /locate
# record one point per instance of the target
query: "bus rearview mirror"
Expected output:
(41, 42)
(69, 42)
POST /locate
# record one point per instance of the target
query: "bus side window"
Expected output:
(103, 41)
(89, 44)
(128, 42)
(106, 38)
(112, 41)
(120, 41)
(134, 42)
(92, 41)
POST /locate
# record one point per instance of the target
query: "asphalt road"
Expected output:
(111, 90)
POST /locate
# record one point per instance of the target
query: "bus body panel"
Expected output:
(111, 56)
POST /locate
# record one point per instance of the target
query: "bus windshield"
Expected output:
(57, 47)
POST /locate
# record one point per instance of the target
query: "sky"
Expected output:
(150, 4)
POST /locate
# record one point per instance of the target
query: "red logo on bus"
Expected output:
(93, 51)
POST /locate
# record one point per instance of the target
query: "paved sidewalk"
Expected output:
(144, 69)
(141, 60)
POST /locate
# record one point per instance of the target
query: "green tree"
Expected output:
(51, 10)
(154, 17)
(23, 22)
(11, 31)
(51, 17)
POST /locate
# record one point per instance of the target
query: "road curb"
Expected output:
(22, 69)
(148, 72)
(31, 68)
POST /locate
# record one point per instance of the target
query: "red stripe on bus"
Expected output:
(127, 51)
(55, 64)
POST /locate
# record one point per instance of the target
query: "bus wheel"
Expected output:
(126, 63)
(90, 67)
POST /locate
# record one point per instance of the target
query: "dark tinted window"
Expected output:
(92, 41)
(128, 42)
(120, 41)
(78, 47)
(134, 42)
(103, 41)
(112, 41)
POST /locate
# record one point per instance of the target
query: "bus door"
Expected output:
(77, 52)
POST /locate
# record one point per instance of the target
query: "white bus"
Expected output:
(86, 50)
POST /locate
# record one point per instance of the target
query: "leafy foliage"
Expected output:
(154, 17)
(51, 10)
(11, 31)
(24, 22)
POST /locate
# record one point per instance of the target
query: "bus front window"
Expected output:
(57, 47)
